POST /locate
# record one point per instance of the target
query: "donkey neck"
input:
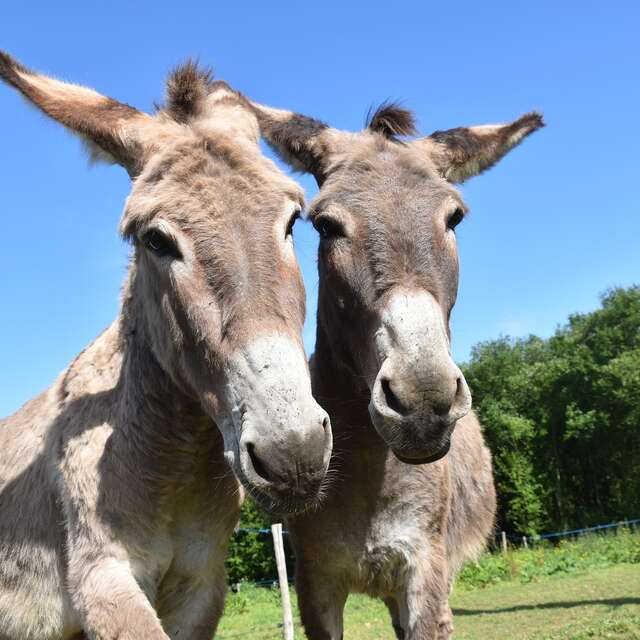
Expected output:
(152, 401)
(155, 404)
(160, 439)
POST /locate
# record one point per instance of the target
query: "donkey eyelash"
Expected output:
(328, 227)
(455, 218)
(291, 223)
(160, 244)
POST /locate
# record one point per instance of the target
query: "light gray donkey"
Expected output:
(117, 485)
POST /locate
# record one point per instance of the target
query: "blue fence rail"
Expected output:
(570, 533)
(515, 537)
(249, 530)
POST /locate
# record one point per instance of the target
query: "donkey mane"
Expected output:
(391, 120)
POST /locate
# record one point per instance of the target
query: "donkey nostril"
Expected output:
(441, 408)
(459, 390)
(391, 399)
(258, 465)
(326, 424)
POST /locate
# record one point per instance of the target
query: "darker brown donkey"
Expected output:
(401, 515)
(117, 496)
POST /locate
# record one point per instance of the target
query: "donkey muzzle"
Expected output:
(419, 393)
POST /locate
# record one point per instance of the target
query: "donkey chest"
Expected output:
(205, 516)
(373, 546)
(390, 545)
(378, 524)
(171, 558)
(192, 540)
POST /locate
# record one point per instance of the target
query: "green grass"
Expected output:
(577, 591)
(568, 607)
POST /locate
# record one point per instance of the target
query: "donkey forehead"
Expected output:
(385, 179)
(214, 154)
(195, 175)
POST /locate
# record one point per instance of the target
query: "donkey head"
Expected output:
(215, 293)
(386, 214)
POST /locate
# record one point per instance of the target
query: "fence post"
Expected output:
(287, 616)
(504, 542)
(525, 544)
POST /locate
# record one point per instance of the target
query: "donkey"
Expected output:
(401, 515)
(117, 486)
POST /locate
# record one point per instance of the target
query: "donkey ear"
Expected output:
(464, 152)
(302, 142)
(109, 127)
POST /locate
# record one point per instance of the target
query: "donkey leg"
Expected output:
(199, 617)
(445, 618)
(445, 621)
(394, 612)
(420, 601)
(110, 603)
(419, 615)
(197, 605)
(321, 599)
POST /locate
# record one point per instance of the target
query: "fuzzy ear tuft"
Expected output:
(391, 120)
(187, 89)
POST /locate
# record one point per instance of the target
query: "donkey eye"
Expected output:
(160, 244)
(292, 221)
(328, 228)
(455, 219)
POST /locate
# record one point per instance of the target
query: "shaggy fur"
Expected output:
(394, 530)
(117, 493)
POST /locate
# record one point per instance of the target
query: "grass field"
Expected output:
(578, 591)
(603, 604)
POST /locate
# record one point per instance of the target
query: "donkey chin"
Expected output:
(411, 439)
(278, 487)
(286, 504)
(277, 495)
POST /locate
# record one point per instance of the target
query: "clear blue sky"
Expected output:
(552, 226)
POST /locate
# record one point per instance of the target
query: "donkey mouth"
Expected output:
(286, 505)
(424, 459)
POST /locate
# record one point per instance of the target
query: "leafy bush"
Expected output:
(251, 556)
(545, 559)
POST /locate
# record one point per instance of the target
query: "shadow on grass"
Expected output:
(614, 602)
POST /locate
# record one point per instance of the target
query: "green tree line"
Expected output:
(562, 418)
